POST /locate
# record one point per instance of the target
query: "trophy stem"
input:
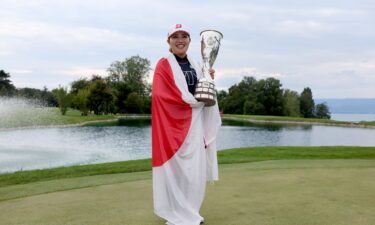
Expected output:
(206, 74)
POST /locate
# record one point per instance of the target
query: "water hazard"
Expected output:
(25, 149)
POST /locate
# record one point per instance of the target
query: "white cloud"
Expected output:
(5, 53)
(325, 45)
(245, 71)
(66, 34)
(20, 71)
(305, 28)
(335, 12)
(82, 72)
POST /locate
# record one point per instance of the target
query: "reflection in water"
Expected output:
(26, 149)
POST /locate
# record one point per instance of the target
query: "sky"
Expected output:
(327, 45)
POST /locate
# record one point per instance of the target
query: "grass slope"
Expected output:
(241, 155)
(276, 192)
(296, 120)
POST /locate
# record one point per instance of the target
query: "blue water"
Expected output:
(27, 149)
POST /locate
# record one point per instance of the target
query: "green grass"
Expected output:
(371, 123)
(275, 192)
(23, 177)
(241, 155)
(265, 119)
(260, 185)
(74, 116)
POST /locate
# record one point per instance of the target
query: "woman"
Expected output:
(183, 135)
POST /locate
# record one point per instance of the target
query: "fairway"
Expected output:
(277, 192)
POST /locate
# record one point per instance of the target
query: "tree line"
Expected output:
(266, 97)
(125, 90)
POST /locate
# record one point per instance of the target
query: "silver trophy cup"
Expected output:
(210, 44)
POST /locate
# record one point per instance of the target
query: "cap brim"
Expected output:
(184, 31)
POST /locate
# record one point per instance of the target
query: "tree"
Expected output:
(133, 71)
(291, 103)
(263, 97)
(48, 98)
(307, 103)
(44, 96)
(129, 76)
(221, 96)
(238, 94)
(134, 103)
(100, 98)
(270, 96)
(80, 100)
(6, 86)
(80, 84)
(121, 90)
(233, 103)
(248, 87)
(63, 99)
(322, 111)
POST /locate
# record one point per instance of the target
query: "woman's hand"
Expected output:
(212, 73)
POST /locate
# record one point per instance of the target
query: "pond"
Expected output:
(38, 148)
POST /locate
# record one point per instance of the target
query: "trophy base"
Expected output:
(205, 92)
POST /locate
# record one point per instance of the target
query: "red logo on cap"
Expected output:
(178, 26)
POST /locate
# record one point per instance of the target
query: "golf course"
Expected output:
(258, 185)
(262, 185)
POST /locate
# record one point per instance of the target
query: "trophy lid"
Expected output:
(213, 31)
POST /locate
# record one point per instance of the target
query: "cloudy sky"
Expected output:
(327, 45)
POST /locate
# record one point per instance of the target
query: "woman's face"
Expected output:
(179, 43)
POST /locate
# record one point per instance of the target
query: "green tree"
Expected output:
(6, 86)
(121, 90)
(44, 96)
(241, 97)
(100, 98)
(322, 111)
(270, 96)
(80, 100)
(134, 103)
(133, 71)
(248, 87)
(63, 99)
(48, 98)
(233, 103)
(78, 85)
(291, 103)
(221, 96)
(129, 76)
(307, 103)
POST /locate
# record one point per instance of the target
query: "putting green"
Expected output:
(280, 192)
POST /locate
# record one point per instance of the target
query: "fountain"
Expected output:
(31, 139)
(21, 112)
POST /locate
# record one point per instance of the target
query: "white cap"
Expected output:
(176, 28)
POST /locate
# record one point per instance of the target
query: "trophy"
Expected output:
(210, 44)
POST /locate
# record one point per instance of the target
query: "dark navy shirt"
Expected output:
(189, 72)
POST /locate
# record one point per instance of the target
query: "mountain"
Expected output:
(349, 105)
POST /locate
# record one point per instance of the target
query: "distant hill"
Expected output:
(349, 105)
